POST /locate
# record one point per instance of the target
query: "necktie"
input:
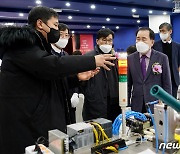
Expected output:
(143, 66)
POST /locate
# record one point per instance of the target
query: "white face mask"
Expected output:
(142, 47)
(105, 48)
(163, 36)
(61, 43)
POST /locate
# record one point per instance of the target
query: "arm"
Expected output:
(166, 75)
(43, 65)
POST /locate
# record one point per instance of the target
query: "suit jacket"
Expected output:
(139, 89)
(100, 92)
(175, 58)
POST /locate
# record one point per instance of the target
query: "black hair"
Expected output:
(151, 32)
(104, 32)
(77, 52)
(63, 27)
(167, 25)
(40, 12)
(131, 49)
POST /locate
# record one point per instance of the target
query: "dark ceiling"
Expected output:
(119, 12)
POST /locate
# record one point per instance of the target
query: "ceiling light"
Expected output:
(69, 17)
(107, 19)
(72, 32)
(117, 27)
(103, 27)
(133, 10)
(150, 11)
(88, 26)
(115, 8)
(68, 4)
(135, 15)
(138, 21)
(164, 13)
(8, 24)
(21, 14)
(93, 6)
(38, 2)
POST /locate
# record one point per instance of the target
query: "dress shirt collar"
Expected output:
(167, 41)
(148, 54)
(56, 49)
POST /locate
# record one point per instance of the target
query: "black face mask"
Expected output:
(53, 36)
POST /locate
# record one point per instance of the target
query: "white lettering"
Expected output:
(168, 145)
(162, 144)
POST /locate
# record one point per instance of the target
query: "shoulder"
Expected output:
(157, 43)
(13, 37)
(158, 53)
(176, 43)
(131, 56)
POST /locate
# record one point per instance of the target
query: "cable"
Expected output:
(117, 122)
(154, 124)
(101, 129)
(112, 149)
(102, 134)
(96, 135)
(165, 127)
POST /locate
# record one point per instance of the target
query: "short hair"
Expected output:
(40, 12)
(77, 52)
(151, 32)
(131, 49)
(104, 32)
(63, 27)
(167, 25)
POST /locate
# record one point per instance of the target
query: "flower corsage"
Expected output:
(157, 68)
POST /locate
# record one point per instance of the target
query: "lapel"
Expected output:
(151, 62)
(137, 64)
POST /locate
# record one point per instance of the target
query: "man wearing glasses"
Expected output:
(101, 92)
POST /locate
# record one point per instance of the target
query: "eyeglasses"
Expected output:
(108, 41)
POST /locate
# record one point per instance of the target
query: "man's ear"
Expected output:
(170, 32)
(97, 42)
(39, 24)
(152, 42)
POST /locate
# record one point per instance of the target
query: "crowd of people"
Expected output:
(40, 82)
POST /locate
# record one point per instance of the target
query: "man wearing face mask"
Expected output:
(146, 67)
(70, 82)
(101, 92)
(32, 101)
(172, 49)
(62, 42)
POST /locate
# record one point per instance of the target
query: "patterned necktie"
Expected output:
(143, 66)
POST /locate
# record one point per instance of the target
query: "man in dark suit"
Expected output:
(101, 92)
(172, 50)
(146, 67)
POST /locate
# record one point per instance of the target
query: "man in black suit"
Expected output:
(172, 50)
